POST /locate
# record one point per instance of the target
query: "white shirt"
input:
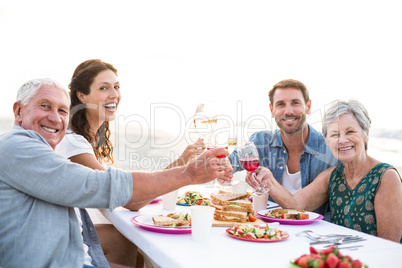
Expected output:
(291, 182)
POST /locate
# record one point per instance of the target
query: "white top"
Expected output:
(74, 144)
(71, 145)
(291, 182)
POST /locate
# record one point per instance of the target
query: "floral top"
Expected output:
(354, 208)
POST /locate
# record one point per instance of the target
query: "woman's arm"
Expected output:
(309, 198)
(87, 160)
(388, 206)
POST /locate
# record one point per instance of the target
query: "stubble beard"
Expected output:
(293, 130)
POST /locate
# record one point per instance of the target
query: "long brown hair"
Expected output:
(81, 81)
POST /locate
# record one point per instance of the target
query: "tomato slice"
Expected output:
(252, 218)
(199, 202)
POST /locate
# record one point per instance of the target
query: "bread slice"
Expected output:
(223, 199)
(235, 216)
(237, 205)
(168, 221)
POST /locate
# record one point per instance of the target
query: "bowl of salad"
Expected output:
(190, 198)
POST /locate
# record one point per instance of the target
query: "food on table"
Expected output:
(233, 207)
(173, 219)
(329, 257)
(288, 214)
(192, 198)
(257, 232)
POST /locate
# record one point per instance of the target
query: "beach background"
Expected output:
(137, 149)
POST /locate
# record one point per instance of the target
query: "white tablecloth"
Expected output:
(179, 250)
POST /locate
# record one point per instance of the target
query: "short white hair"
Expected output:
(30, 88)
(340, 107)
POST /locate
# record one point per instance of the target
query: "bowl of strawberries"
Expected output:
(326, 258)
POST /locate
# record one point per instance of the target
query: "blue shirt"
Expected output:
(38, 192)
(316, 156)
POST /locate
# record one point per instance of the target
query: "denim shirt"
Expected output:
(38, 192)
(316, 156)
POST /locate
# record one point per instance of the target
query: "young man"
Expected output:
(295, 153)
(39, 188)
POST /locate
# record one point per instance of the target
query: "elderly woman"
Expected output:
(364, 194)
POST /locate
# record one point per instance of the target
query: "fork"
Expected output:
(317, 237)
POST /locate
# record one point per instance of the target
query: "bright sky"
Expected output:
(231, 52)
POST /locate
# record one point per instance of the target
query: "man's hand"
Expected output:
(208, 166)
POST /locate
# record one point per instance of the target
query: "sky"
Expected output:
(172, 55)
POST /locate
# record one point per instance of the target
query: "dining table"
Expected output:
(222, 250)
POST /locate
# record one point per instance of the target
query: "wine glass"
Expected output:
(204, 123)
(230, 144)
(250, 161)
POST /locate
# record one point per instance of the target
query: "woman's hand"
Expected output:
(189, 153)
(192, 150)
(261, 179)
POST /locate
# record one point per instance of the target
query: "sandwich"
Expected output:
(172, 220)
(232, 207)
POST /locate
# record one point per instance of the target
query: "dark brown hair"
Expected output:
(289, 83)
(81, 81)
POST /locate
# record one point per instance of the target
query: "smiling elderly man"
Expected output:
(39, 188)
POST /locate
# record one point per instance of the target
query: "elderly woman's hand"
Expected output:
(261, 179)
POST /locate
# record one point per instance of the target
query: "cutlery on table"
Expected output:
(339, 241)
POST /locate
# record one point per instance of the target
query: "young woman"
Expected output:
(95, 96)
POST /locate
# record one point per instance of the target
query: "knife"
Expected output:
(339, 241)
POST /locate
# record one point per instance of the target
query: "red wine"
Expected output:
(250, 164)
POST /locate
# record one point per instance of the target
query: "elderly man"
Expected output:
(39, 188)
(295, 153)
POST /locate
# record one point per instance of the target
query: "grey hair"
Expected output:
(30, 88)
(339, 107)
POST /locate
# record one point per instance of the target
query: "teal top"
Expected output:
(354, 208)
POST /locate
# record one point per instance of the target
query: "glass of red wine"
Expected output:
(250, 161)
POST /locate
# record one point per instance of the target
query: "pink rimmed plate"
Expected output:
(255, 240)
(155, 200)
(313, 217)
(146, 222)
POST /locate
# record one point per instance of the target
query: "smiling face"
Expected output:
(289, 109)
(46, 113)
(103, 99)
(346, 138)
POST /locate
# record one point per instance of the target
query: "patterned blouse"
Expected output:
(355, 208)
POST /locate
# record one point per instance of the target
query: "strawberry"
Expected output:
(327, 251)
(357, 264)
(347, 258)
(313, 250)
(317, 263)
(332, 260)
(302, 261)
(344, 264)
